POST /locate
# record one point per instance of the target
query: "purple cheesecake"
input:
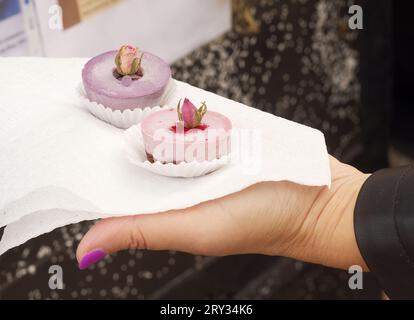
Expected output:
(126, 79)
(193, 135)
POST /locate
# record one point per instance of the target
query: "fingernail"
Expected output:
(91, 258)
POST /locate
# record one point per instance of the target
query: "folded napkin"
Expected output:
(60, 165)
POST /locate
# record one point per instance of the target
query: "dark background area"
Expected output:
(403, 49)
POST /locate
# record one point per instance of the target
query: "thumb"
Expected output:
(191, 230)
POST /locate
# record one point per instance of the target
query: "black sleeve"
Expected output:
(384, 227)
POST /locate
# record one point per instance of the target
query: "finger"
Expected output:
(197, 230)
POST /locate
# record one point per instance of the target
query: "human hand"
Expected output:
(312, 224)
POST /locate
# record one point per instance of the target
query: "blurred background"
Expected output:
(297, 59)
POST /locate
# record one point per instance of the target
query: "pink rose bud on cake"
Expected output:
(128, 61)
(190, 115)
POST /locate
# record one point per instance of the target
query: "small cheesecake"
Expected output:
(168, 140)
(142, 87)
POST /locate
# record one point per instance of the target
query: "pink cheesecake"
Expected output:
(191, 135)
(126, 79)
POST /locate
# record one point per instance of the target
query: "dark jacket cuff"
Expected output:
(384, 228)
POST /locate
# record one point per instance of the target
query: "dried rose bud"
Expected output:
(128, 61)
(189, 114)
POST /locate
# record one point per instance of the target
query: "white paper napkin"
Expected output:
(60, 165)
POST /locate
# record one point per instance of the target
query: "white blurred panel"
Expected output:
(168, 28)
(12, 35)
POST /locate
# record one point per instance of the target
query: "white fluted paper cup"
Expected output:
(126, 118)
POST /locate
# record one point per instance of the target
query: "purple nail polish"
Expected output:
(91, 258)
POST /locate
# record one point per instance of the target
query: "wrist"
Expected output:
(338, 246)
(328, 235)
